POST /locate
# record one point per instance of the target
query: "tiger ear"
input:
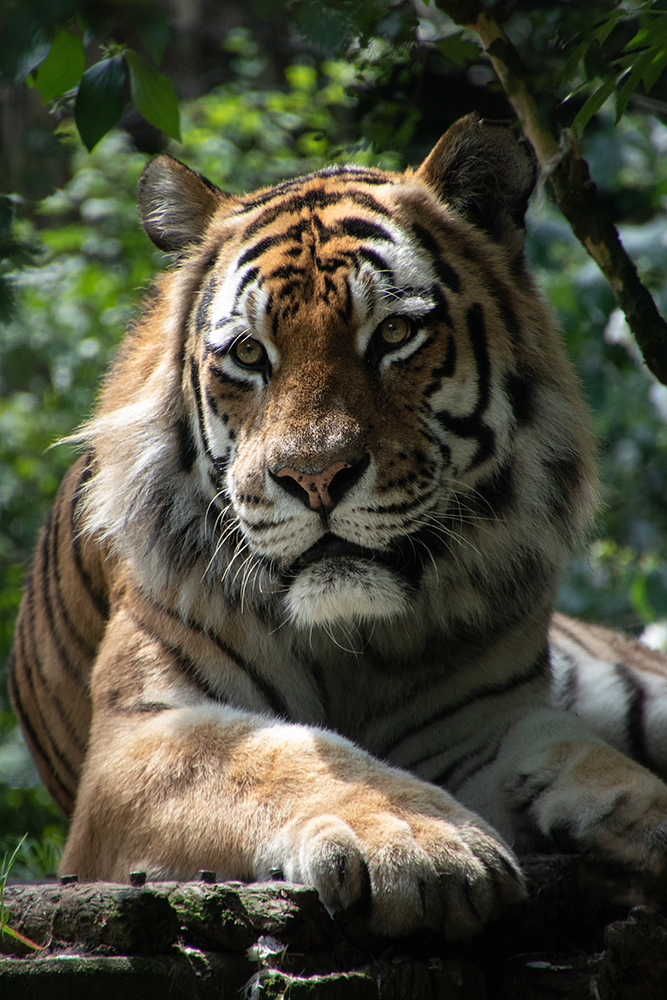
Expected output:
(176, 204)
(487, 173)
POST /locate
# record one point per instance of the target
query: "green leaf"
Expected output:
(652, 74)
(593, 104)
(602, 33)
(574, 60)
(154, 34)
(652, 34)
(458, 50)
(630, 83)
(153, 95)
(63, 66)
(100, 101)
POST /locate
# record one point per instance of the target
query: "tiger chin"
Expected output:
(340, 582)
(345, 411)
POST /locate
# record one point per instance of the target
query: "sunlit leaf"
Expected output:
(153, 95)
(574, 60)
(652, 74)
(652, 33)
(99, 102)
(630, 83)
(63, 66)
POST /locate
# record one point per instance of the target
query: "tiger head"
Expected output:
(347, 400)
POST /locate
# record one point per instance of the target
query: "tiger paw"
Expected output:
(599, 804)
(408, 871)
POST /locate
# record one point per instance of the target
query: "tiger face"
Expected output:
(310, 355)
(368, 385)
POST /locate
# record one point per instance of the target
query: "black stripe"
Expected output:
(252, 253)
(249, 276)
(494, 492)
(69, 667)
(313, 199)
(196, 388)
(187, 447)
(523, 805)
(483, 755)
(478, 339)
(314, 668)
(49, 554)
(185, 664)
(398, 508)
(345, 174)
(67, 795)
(205, 299)
(267, 690)
(444, 370)
(225, 379)
(535, 670)
(89, 650)
(360, 229)
(520, 387)
(634, 722)
(472, 426)
(287, 292)
(55, 751)
(445, 272)
(287, 270)
(374, 258)
(501, 295)
(164, 508)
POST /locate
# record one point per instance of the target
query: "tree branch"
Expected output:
(576, 194)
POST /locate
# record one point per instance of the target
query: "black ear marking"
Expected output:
(486, 173)
(176, 204)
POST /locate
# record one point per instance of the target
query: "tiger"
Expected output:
(292, 613)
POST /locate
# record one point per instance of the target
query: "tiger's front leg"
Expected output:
(174, 783)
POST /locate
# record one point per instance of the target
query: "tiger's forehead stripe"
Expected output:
(357, 227)
(344, 174)
(312, 199)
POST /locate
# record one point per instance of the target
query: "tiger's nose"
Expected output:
(321, 491)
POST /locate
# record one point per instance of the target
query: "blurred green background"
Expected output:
(80, 262)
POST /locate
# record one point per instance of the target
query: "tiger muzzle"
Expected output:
(321, 491)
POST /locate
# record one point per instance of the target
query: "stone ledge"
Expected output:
(275, 941)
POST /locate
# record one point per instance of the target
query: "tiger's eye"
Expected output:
(394, 330)
(248, 352)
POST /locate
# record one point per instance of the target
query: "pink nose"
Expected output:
(316, 484)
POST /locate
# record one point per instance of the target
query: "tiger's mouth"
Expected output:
(336, 580)
(331, 546)
(341, 554)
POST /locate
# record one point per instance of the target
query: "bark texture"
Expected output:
(578, 936)
(576, 193)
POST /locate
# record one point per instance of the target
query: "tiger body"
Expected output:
(296, 596)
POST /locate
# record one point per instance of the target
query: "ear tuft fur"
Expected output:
(487, 173)
(176, 204)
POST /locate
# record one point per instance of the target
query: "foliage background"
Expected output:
(91, 262)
